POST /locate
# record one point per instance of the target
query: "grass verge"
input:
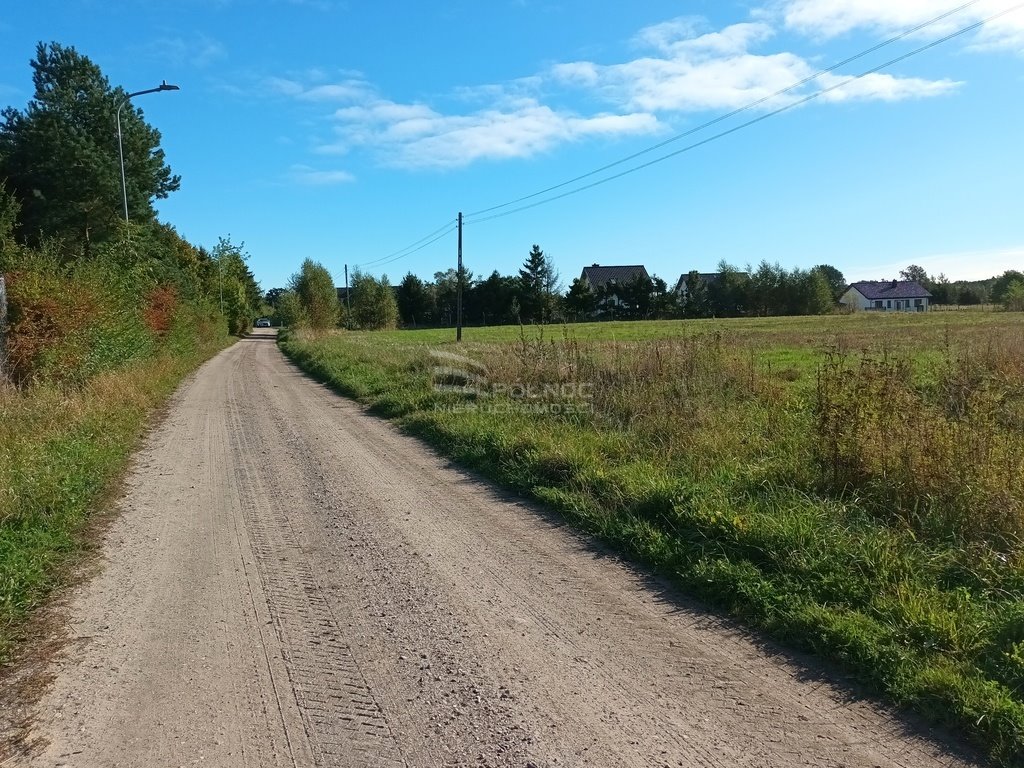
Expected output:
(61, 452)
(721, 455)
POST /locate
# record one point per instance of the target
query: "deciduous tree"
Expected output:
(697, 304)
(373, 302)
(237, 285)
(728, 294)
(1013, 297)
(836, 280)
(917, 274)
(314, 287)
(490, 301)
(1002, 284)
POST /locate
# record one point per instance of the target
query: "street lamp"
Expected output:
(120, 148)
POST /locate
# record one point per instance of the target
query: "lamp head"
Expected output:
(165, 87)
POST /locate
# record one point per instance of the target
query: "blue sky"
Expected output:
(345, 131)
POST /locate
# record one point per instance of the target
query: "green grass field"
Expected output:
(851, 485)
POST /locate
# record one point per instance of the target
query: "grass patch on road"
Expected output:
(62, 452)
(850, 485)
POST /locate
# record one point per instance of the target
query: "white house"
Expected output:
(887, 296)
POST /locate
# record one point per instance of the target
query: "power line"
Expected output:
(451, 226)
(420, 245)
(733, 113)
(448, 226)
(735, 129)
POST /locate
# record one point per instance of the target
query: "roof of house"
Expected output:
(708, 278)
(598, 276)
(891, 289)
(705, 277)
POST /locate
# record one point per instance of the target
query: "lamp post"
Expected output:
(120, 147)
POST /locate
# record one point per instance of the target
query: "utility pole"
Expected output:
(458, 299)
(348, 301)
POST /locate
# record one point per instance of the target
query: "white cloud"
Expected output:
(662, 36)
(348, 90)
(303, 174)
(199, 50)
(495, 93)
(680, 37)
(718, 71)
(683, 84)
(831, 18)
(284, 86)
(413, 135)
(381, 111)
(687, 71)
(883, 87)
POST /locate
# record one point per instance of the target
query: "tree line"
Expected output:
(1006, 289)
(88, 290)
(535, 295)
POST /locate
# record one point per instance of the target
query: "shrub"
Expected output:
(160, 306)
(1013, 299)
(945, 458)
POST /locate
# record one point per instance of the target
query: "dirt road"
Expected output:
(293, 583)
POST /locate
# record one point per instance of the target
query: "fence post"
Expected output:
(3, 331)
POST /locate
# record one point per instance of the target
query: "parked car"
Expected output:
(263, 323)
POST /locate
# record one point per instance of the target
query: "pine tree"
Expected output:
(60, 155)
(537, 285)
(414, 302)
(580, 302)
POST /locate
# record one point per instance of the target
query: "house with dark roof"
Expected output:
(608, 279)
(705, 278)
(598, 277)
(887, 296)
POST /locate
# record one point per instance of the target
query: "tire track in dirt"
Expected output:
(342, 719)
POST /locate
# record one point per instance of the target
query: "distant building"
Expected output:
(610, 278)
(706, 278)
(887, 296)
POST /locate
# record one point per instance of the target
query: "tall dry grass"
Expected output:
(938, 445)
(933, 441)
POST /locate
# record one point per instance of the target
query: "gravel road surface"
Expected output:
(291, 582)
